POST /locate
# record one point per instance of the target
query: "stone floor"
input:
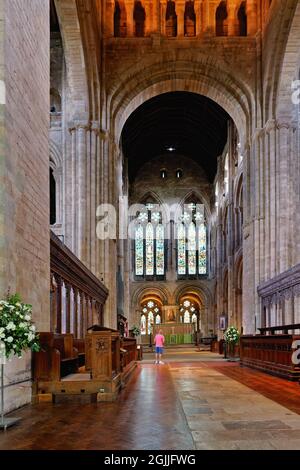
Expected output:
(194, 401)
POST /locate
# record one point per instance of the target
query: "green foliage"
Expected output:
(17, 332)
(135, 331)
(232, 335)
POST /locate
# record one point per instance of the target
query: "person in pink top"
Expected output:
(159, 342)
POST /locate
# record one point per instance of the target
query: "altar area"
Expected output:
(176, 333)
(178, 323)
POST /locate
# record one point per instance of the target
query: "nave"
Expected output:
(188, 403)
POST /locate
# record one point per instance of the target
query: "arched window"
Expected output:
(151, 315)
(242, 17)
(221, 20)
(189, 312)
(52, 197)
(55, 101)
(149, 243)
(189, 19)
(171, 19)
(139, 17)
(192, 242)
(120, 27)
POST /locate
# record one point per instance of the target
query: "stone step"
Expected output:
(80, 398)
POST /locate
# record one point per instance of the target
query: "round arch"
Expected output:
(72, 38)
(196, 75)
(199, 289)
(142, 292)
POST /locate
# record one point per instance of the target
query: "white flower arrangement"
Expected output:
(17, 332)
(232, 335)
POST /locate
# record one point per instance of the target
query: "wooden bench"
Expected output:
(57, 358)
(129, 352)
(270, 353)
(284, 328)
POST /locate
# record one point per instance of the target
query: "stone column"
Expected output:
(251, 11)
(109, 18)
(271, 131)
(180, 9)
(130, 21)
(199, 19)
(58, 281)
(148, 20)
(79, 190)
(75, 314)
(205, 18)
(163, 12)
(155, 16)
(283, 199)
(232, 19)
(68, 308)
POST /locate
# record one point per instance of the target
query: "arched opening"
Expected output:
(242, 18)
(120, 25)
(189, 19)
(139, 17)
(171, 19)
(55, 101)
(52, 197)
(151, 315)
(221, 20)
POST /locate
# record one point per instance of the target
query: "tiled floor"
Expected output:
(194, 401)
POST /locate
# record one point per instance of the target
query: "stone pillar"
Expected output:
(75, 313)
(199, 19)
(155, 16)
(271, 131)
(251, 11)
(81, 190)
(109, 18)
(283, 193)
(68, 308)
(205, 18)
(231, 18)
(148, 20)
(180, 9)
(163, 12)
(129, 15)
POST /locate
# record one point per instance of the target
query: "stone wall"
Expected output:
(24, 223)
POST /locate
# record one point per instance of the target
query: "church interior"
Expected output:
(150, 184)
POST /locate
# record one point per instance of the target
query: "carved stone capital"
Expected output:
(270, 126)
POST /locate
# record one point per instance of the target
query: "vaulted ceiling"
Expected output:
(193, 125)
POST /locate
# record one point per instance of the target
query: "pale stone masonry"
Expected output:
(24, 170)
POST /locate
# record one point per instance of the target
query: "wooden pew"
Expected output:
(57, 358)
(270, 353)
(129, 352)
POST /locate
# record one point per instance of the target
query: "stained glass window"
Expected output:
(139, 251)
(181, 249)
(151, 314)
(150, 322)
(187, 318)
(160, 250)
(149, 250)
(191, 241)
(192, 263)
(143, 324)
(194, 318)
(202, 249)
